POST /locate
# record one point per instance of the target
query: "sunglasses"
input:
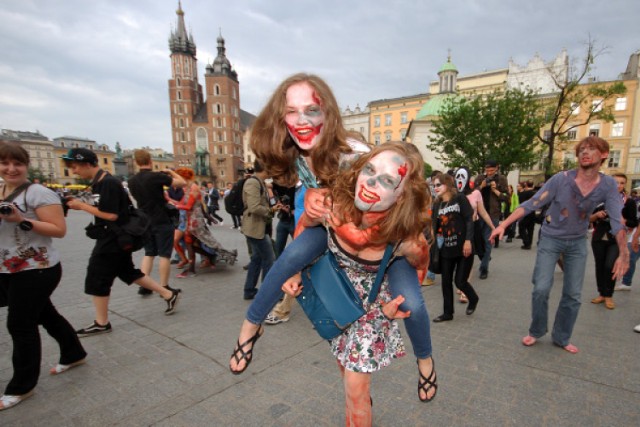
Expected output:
(438, 185)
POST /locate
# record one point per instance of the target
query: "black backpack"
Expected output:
(233, 202)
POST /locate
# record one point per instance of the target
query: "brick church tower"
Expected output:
(206, 133)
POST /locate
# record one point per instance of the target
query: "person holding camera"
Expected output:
(108, 260)
(493, 186)
(30, 217)
(147, 187)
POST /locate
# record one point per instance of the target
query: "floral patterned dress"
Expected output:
(372, 341)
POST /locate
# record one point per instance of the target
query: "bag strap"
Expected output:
(383, 267)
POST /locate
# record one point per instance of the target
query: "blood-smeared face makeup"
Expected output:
(381, 182)
(304, 116)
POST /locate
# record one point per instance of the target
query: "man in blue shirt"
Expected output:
(571, 197)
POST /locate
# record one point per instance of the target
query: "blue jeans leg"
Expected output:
(486, 232)
(297, 255)
(284, 229)
(547, 255)
(633, 258)
(261, 260)
(403, 280)
(575, 260)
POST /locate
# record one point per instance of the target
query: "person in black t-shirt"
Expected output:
(147, 187)
(452, 222)
(107, 260)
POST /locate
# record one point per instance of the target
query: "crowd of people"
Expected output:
(340, 195)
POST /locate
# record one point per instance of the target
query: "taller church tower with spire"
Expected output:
(206, 133)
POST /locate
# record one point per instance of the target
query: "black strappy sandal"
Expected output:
(239, 354)
(425, 384)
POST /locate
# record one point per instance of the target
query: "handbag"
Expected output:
(328, 297)
(434, 258)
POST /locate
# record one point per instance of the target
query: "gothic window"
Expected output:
(179, 95)
(178, 81)
(218, 109)
(234, 95)
(181, 123)
(201, 138)
(216, 90)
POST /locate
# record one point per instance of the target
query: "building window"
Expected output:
(636, 169)
(387, 119)
(218, 109)
(575, 108)
(403, 134)
(362, 130)
(387, 136)
(182, 138)
(62, 144)
(614, 159)
(376, 138)
(178, 81)
(596, 105)
(66, 171)
(216, 90)
(179, 95)
(181, 123)
(105, 161)
(403, 117)
(201, 139)
(376, 121)
(546, 135)
(617, 129)
(621, 104)
(569, 160)
(234, 94)
(572, 134)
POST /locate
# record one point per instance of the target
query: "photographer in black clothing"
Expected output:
(494, 189)
(286, 223)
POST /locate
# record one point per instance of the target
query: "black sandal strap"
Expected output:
(426, 384)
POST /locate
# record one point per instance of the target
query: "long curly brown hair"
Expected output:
(407, 218)
(274, 147)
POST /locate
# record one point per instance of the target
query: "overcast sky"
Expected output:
(99, 69)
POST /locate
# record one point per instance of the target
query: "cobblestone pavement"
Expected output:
(172, 370)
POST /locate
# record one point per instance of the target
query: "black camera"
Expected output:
(285, 199)
(490, 179)
(6, 208)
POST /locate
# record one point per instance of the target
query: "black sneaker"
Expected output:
(484, 274)
(144, 292)
(172, 302)
(94, 329)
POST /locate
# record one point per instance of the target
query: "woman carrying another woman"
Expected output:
(31, 215)
(453, 221)
(299, 136)
(383, 193)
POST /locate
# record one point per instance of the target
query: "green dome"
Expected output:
(434, 105)
(448, 66)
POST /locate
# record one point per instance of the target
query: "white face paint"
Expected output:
(380, 183)
(462, 178)
(304, 115)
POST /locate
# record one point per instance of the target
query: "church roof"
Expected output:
(434, 105)
(448, 66)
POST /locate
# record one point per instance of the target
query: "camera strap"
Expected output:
(11, 197)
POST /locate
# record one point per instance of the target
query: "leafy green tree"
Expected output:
(573, 96)
(500, 125)
(35, 173)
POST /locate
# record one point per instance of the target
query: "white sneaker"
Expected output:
(637, 328)
(272, 319)
(622, 287)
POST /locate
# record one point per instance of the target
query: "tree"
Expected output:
(500, 126)
(559, 113)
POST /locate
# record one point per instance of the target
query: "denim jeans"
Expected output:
(633, 258)
(574, 252)
(403, 280)
(261, 260)
(486, 232)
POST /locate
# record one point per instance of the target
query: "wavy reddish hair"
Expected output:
(186, 173)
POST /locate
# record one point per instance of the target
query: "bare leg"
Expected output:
(358, 398)
(425, 366)
(164, 268)
(101, 305)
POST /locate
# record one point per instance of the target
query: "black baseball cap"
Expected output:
(83, 155)
(491, 163)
